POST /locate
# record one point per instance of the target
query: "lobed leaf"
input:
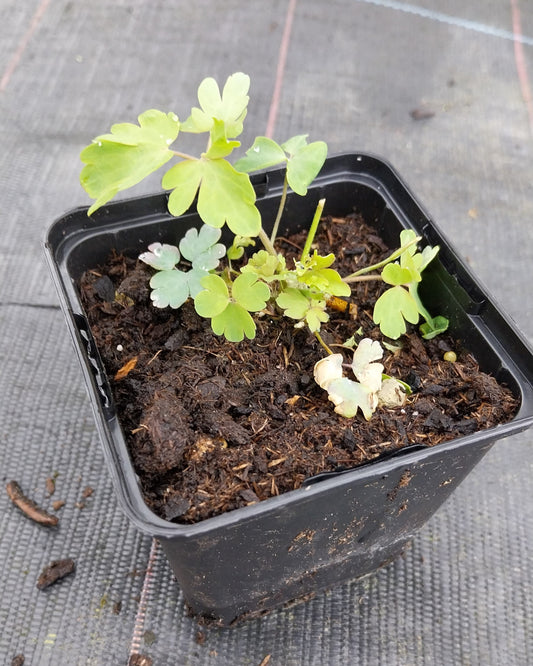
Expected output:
(121, 159)
(234, 322)
(392, 309)
(249, 292)
(169, 288)
(213, 298)
(304, 165)
(224, 194)
(162, 257)
(263, 153)
(201, 247)
(230, 107)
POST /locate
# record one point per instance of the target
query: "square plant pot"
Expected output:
(338, 526)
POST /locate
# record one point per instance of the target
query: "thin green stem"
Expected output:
(361, 278)
(280, 209)
(312, 230)
(319, 338)
(266, 242)
(185, 156)
(397, 253)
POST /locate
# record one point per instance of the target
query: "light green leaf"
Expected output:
(230, 107)
(396, 275)
(426, 256)
(316, 315)
(408, 236)
(117, 161)
(326, 281)
(435, 327)
(201, 247)
(162, 257)
(293, 302)
(294, 144)
(249, 292)
(303, 166)
(170, 288)
(224, 194)
(264, 153)
(390, 310)
(220, 146)
(228, 196)
(184, 180)
(234, 323)
(267, 266)
(214, 297)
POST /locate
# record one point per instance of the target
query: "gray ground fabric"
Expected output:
(355, 71)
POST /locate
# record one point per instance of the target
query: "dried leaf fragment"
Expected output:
(125, 370)
(29, 507)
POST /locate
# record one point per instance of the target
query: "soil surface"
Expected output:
(213, 426)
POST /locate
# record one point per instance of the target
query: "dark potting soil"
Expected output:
(213, 426)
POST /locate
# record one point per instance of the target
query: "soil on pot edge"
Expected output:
(213, 426)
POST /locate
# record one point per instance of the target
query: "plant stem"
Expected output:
(397, 253)
(319, 338)
(280, 209)
(361, 278)
(267, 244)
(312, 230)
(185, 156)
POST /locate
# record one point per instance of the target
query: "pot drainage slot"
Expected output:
(94, 364)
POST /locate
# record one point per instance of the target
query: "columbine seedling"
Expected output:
(224, 195)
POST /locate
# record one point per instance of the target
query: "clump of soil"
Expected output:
(213, 426)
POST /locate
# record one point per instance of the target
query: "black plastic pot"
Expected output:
(337, 527)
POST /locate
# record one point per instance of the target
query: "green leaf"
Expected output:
(236, 250)
(214, 297)
(201, 247)
(234, 323)
(170, 288)
(220, 146)
(224, 194)
(184, 179)
(396, 275)
(117, 161)
(263, 153)
(435, 327)
(316, 315)
(303, 166)
(230, 107)
(162, 257)
(313, 273)
(249, 292)
(295, 143)
(267, 266)
(392, 308)
(293, 303)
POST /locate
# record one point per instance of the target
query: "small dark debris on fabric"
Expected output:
(421, 114)
(140, 660)
(55, 571)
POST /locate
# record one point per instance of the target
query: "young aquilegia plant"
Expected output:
(224, 195)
